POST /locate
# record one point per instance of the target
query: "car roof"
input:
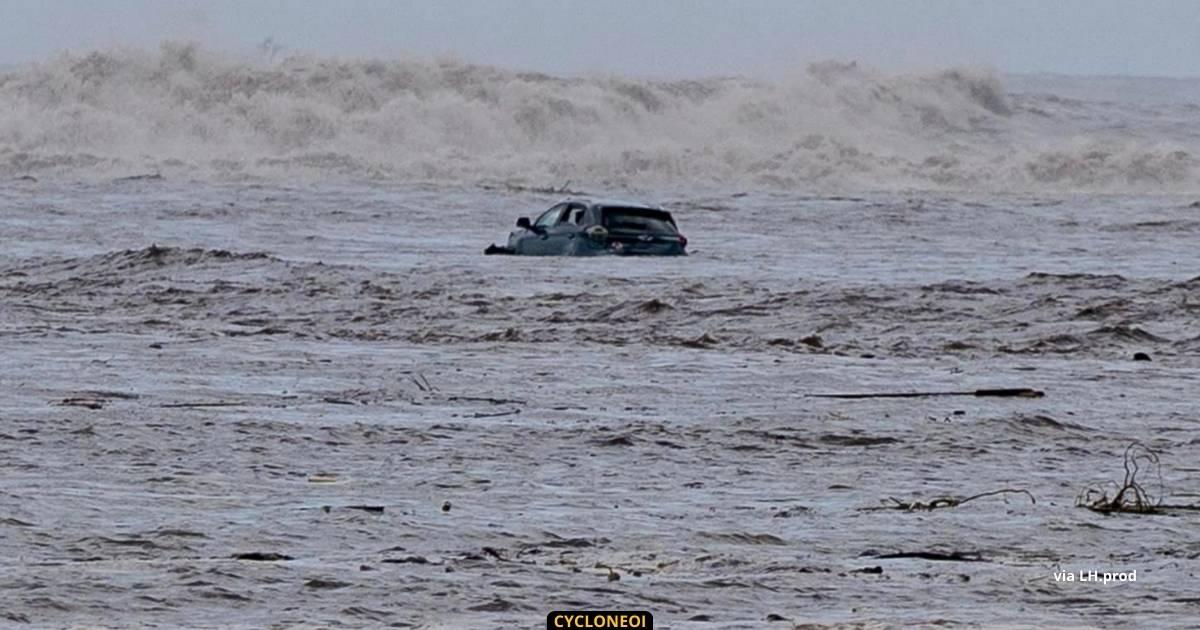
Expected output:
(617, 203)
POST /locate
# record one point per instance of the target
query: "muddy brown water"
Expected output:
(195, 372)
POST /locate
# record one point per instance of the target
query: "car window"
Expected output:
(574, 214)
(550, 217)
(642, 220)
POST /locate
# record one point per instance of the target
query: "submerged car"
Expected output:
(582, 227)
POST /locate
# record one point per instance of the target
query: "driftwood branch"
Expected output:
(1012, 392)
(205, 404)
(945, 501)
(488, 399)
(1130, 495)
(953, 556)
(496, 415)
(422, 383)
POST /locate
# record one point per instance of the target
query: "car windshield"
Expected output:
(638, 220)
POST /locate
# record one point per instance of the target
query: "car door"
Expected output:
(560, 237)
(536, 241)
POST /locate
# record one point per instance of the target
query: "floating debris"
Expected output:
(944, 502)
(1131, 496)
(87, 403)
(323, 478)
(325, 583)
(1008, 392)
(374, 509)
(936, 556)
(261, 556)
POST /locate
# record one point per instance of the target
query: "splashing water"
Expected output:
(188, 111)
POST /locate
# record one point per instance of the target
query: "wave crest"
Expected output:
(185, 109)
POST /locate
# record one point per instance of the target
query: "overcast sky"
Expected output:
(661, 38)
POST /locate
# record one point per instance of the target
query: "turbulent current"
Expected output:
(273, 382)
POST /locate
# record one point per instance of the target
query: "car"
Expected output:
(586, 227)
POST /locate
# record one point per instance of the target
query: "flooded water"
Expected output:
(259, 405)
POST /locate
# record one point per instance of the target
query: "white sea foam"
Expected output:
(187, 111)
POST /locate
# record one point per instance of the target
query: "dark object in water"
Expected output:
(406, 560)
(261, 556)
(89, 403)
(488, 399)
(217, 403)
(144, 177)
(953, 556)
(1011, 392)
(946, 502)
(1141, 356)
(585, 227)
(1131, 497)
(324, 583)
(376, 509)
(497, 250)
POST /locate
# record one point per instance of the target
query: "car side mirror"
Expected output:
(523, 222)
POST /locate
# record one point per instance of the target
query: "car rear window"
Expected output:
(638, 220)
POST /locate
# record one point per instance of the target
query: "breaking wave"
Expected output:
(187, 111)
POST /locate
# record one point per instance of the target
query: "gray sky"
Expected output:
(646, 37)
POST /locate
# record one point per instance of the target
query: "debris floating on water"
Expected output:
(1131, 496)
(945, 502)
(323, 478)
(261, 556)
(1012, 392)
